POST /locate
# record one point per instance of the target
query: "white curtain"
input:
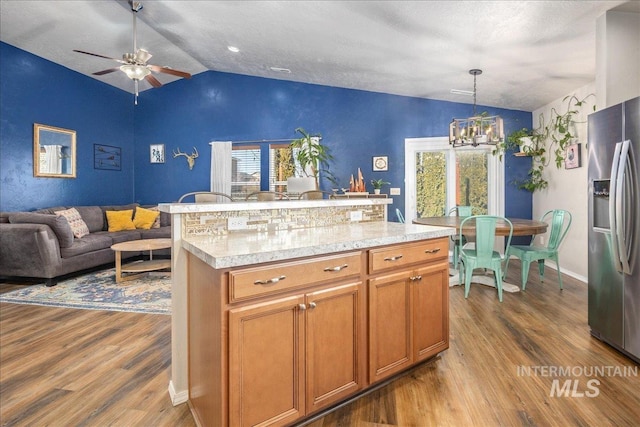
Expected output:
(221, 167)
(52, 162)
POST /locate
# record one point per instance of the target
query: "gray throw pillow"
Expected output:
(58, 224)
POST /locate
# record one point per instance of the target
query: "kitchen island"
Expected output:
(286, 323)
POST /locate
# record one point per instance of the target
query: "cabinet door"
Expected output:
(266, 363)
(430, 311)
(335, 344)
(390, 340)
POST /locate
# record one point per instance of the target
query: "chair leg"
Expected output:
(541, 269)
(455, 260)
(468, 271)
(525, 272)
(506, 266)
(498, 276)
(558, 267)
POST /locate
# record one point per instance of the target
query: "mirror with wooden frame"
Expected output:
(54, 152)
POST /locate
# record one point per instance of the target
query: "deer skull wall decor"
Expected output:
(191, 158)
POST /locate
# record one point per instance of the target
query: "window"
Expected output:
(438, 177)
(252, 172)
(245, 170)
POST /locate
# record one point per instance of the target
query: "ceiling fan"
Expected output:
(134, 65)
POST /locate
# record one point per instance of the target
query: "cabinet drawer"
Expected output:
(406, 254)
(253, 282)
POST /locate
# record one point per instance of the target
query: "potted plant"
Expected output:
(377, 185)
(312, 157)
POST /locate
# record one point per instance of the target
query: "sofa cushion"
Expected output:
(89, 243)
(51, 211)
(123, 236)
(156, 233)
(77, 224)
(58, 224)
(146, 218)
(115, 208)
(92, 216)
(120, 220)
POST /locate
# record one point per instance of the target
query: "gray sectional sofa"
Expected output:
(40, 245)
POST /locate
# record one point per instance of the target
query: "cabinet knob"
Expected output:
(432, 251)
(393, 258)
(269, 281)
(415, 278)
(312, 304)
(337, 268)
(302, 307)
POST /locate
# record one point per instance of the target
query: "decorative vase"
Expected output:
(376, 191)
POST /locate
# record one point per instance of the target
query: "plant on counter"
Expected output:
(312, 157)
(554, 136)
(378, 184)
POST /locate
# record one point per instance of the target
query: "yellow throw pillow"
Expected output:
(120, 220)
(145, 218)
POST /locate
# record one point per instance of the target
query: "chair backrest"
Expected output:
(267, 196)
(206, 197)
(399, 216)
(313, 195)
(560, 221)
(485, 235)
(461, 211)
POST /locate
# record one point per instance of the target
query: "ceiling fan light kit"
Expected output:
(480, 129)
(135, 64)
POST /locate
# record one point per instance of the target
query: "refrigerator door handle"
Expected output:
(613, 215)
(624, 196)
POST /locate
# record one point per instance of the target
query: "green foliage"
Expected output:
(554, 136)
(313, 156)
(378, 183)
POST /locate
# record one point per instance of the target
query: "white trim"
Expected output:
(177, 397)
(495, 172)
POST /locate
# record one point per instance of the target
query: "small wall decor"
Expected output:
(107, 157)
(156, 153)
(191, 158)
(573, 157)
(380, 163)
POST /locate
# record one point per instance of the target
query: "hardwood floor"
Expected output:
(62, 367)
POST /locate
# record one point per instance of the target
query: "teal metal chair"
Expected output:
(560, 221)
(483, 256)
(461, 211)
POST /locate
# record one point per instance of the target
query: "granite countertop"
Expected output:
(246, 248)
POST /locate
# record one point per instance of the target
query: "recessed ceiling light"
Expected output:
(233, 49)
(280, 70)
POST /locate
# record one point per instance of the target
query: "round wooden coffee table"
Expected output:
(139, 268)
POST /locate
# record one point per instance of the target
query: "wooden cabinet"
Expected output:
(408, 310)
(272, 344)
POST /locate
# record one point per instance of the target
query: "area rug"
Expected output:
(99, 291)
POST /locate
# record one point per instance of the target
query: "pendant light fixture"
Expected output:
(480, 129)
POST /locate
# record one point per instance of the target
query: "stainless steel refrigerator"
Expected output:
(614, 226)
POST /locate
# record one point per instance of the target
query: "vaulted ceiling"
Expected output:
(531, 52)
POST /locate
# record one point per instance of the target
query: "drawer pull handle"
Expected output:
(269, 281)
(312, 304)
(302, 307)
(337, 268)
(415, 278)
(393, 258)
(432, 251)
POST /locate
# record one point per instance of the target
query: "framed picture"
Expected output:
(380, 163)
(573, 158)
(107, 157)
(156, 153)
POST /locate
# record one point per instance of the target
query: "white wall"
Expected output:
(568, 189)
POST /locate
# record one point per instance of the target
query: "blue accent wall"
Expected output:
(212, 106)
(356, 125)
(34, 90)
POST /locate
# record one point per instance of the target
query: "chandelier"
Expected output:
(480, 129)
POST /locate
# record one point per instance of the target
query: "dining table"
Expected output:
(521, 227)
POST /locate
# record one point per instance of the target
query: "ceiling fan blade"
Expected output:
(103, 72)
(154, 82)
(100, 56)
(168, 70)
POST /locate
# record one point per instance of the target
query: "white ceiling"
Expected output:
(531, 52)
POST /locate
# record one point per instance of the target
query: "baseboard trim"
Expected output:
(177, 397)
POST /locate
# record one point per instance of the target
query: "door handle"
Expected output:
(432, 251)
(337, 268)
(393, 258)
(269, 281)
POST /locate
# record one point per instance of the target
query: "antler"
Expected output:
(191, 158)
